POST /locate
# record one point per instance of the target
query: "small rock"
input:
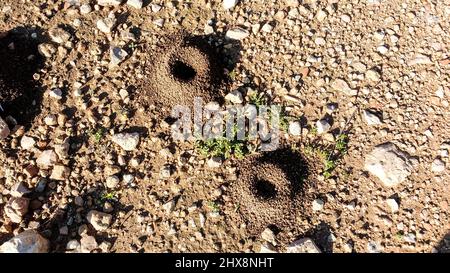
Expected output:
(16, 208)
(304, 245)
(99, 220)
(112, 181)
(235, 97)
(73, 245)
(88, 243)
(322, 126)
(85, 9)
(40, 186)
(29, 241)
(31, 170)
(321, 15)
(371, 118)
(268, 236)
(410, 238)
(419, 59)
(267, 27)
(237, 33)
(27, 143)
(437, 166)
(317, 205)
(137, 4)
(373, 75)
(60, 172)
(56, 94)
(155, 7)
(166, 171)
(59, 36)
(295, 128)
(267, 248)
(109, 2)
(214, 162)
(342, 86)
(128, 141)
(19, 189)
(62, 150)
(392, 204)
(51, 120)
(47, 158)
(389, 164)
(382, 49)
(128, 178)
(169, 206)
(229, 4)
(117, 55)
(4, 129)
(46, 50)
(106, 25)
(373, 247)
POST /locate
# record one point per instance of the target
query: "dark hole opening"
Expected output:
(265, 189)
(182, 71)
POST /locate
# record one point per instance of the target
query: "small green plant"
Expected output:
(222, 147)
(313, 131)
(108, 196)
(214, 206)
(99, 134)
(232, 75)
(341, 143)
(257, 99)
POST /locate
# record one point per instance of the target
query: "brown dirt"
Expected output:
(271, 190)
(182, 68)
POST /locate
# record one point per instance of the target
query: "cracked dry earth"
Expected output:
(96, 169)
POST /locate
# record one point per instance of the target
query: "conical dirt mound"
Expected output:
(271, 190)
(183, 68)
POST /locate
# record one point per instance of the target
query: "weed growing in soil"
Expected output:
(99, 134)
(214, 206)
(222, 147)
(257, 99)
(329, 156)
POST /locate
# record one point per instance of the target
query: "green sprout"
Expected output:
(214, 206)
(99, 134)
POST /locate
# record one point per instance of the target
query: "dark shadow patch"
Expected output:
(444, 245)
(20, 95)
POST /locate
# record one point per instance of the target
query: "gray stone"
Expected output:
(128, 141)
(304, 245)
(371, 118)
(27, 142)
(29, 241)
(59, 35)
(214, 162)
(19, 189)
(137, 4)
(106, 25)
(295, 128)
(112, 181)
(342, 86)
(389, 164)
(437, 166)
(229, 4)
(322, 126)
(16, 208)
(237, 33)
(117, 56)
(60, 172)
(99, 220)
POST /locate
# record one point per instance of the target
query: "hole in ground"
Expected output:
(182, 71)
(265, 189)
